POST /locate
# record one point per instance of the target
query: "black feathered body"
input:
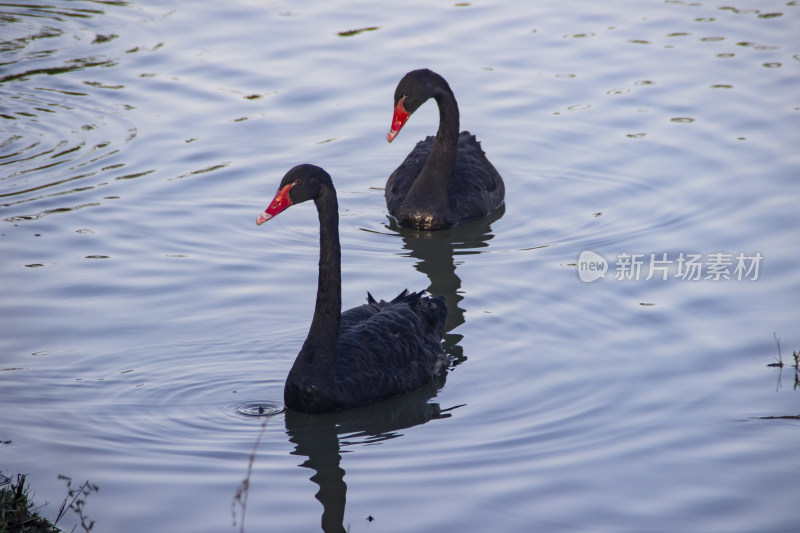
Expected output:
(383, 349)
(475, 190)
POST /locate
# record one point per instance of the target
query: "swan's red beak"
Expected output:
(399, 118)
(278, 204)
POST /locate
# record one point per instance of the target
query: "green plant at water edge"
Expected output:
(19, 515)
(17, 512)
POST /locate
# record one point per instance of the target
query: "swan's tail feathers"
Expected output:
(433, 308)
(404, 297)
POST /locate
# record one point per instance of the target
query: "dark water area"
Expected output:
(610, 329)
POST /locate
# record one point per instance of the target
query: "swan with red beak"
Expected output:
(447, 179)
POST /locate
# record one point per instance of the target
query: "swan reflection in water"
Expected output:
(436, 251)
(320, 439)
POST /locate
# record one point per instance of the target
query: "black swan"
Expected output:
(368, 353)
(445, 180)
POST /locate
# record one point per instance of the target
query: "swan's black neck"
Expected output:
(435, 177)
(320, 345)
(447, 136)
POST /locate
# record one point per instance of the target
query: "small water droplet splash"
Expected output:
(256, 409)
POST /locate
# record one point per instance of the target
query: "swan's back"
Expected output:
(476, 188)
(388, 348)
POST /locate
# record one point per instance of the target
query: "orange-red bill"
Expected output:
(278, 204)
(398, 120)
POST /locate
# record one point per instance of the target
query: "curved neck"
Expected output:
(324, 331)
(435, 177)
(447, 136)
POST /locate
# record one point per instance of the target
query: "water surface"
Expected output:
(144, 317)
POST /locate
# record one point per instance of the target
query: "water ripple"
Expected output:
(60, 133)
(255, 408)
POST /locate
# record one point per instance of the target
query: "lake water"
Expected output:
(144, 315)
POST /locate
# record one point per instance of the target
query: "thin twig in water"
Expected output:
(780, 356)
(778, 364)
(240, 497)
(796, 355)
(78, 501)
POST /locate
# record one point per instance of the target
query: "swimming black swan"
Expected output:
(370, 352)
(445, 180)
